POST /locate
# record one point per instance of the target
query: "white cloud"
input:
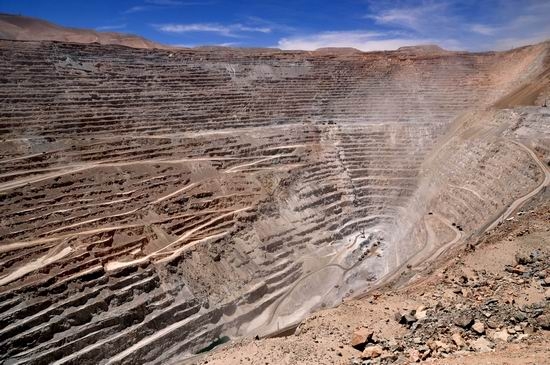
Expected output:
(135, 9)
(483, 29)
(110, 27)
(230, 30)
(413, 17)
(164, 2)
(361, 40)
(472, 25)
(274, 26)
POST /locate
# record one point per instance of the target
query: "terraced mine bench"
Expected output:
(155, 200)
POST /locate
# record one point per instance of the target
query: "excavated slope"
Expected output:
(155, 200)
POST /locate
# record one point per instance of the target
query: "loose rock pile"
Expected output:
(473, 313)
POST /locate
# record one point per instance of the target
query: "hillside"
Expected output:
(22, 28)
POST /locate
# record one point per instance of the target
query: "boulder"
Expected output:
(524, 259)
(438, 345)
(478, 327)
(414, 355)
(464, 320)
(544, 321)
(458, 340)
(405, 318)
(360, 338)
(482, 345)
(521, 337)
(421, 315)
(499, 336)
(372, 352)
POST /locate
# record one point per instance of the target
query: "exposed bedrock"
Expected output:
(153, 201)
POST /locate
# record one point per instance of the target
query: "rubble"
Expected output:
(458, 326)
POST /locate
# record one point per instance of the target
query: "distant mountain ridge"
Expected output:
(23, 28)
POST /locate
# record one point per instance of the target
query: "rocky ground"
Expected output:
(488, 302)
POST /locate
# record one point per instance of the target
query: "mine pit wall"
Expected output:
(194, 194)
(478, 148)
(478, 174)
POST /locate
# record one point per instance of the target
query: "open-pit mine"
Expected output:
(157, 200)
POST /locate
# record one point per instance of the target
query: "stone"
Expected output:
(499, 336)
(405, 318)
(464, 320)
(372, 352)
(388, 357)
(521, 337)
(439, 345)
(421, 308)
(524, 259)
(360, 338)
(466, 292)
(478, 327)
(482, 345)
(492, 324)
(458, 340)
(544, 322)
(398, 315)
(414, 355)
(421, 315)
(425, 354)
(520, 316)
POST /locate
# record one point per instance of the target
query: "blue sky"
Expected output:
(304, 24)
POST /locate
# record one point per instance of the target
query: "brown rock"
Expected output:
(414, 355)
(482, 345)
(479, 328)
(360, 338)
(492, 324)
(437, 345)
(458, 340)
(421, 315)
(464, 320)
(372, 352)
(406, 318)
(523, 259)
(499, 336)
(387, 356)
(544, 321)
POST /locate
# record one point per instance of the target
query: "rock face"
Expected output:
(156, 201)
